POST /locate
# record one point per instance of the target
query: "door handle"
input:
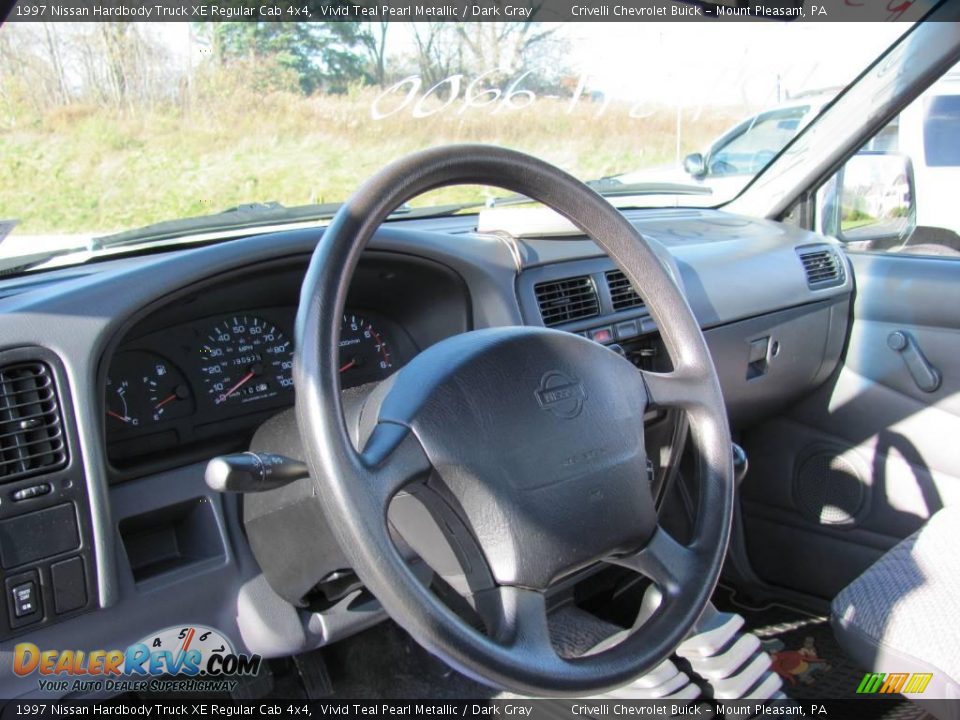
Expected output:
(925, 375)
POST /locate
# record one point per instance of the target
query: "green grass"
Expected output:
(84, 168)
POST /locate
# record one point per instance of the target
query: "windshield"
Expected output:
(109, 127)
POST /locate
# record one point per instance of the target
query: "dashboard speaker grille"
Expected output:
(31, 429)
(822, 266)
(622, 294)
(563, 301)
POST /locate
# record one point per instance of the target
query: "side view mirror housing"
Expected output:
(695, 164)
(870, 203)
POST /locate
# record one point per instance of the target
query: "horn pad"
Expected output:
(538, 436)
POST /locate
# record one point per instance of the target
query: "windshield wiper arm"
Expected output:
(236, 218)
(21, 263)
(242, 217)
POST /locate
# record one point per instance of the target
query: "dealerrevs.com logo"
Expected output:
(188, 658)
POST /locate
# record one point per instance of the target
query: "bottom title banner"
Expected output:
(545, 709)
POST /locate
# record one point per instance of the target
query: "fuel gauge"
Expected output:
(165, 397)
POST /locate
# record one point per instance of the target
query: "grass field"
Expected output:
(82, 168)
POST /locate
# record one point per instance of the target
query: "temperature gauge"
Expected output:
(143, 389)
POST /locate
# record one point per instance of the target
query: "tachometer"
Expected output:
(364, 353)
(246, 359)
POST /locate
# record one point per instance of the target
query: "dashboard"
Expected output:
(153, 364)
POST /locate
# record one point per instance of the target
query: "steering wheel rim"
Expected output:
(356, 487)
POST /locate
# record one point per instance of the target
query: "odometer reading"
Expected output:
(246, 359)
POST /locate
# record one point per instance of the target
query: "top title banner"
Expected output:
(471, 10)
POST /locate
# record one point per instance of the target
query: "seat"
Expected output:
(903, 614)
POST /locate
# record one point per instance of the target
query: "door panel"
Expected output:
(867, 458)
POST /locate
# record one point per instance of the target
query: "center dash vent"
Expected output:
(822, 266)
(622, 293)
(563, 301)
(31, 429)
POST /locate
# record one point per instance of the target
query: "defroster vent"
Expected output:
(563, 301)
(31, 429)
(622, 293)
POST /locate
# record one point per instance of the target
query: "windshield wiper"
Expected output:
(239, 217)
(612, 187)
(255, 215)
(234, 219)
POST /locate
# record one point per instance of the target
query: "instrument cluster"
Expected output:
(182, 381)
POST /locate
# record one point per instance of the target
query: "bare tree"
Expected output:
(439, 53)
(53, 48)
(504, 49)
(120, 64)
(32, 74)
(374, 38)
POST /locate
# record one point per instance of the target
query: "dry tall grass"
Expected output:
(85, 168)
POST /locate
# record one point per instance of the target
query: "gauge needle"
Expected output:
(118, 416)
(349, 365)
(170, 398)
(236, 387)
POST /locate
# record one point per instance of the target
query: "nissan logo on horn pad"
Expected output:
(561, 394)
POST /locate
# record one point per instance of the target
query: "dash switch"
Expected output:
(24, 599)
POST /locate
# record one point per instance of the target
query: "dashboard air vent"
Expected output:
(622, 293)
(31, 430)
(566, 300)
(822, 266)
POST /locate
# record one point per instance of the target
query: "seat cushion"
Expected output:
(903, 614)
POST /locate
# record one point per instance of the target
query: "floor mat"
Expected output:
(385, 662)
(809, 659)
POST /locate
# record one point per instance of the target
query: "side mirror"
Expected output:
(870, 204)
(695, 164)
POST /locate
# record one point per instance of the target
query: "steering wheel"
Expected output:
(535, 435)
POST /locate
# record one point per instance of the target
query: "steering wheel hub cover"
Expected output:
(538, 435)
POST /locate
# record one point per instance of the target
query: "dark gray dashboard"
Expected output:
(774, 334)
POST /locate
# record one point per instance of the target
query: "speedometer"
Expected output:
(246, 359)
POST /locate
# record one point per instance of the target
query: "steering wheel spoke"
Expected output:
(516, 617)
(668, 563)
(681, 388)
(393, 458)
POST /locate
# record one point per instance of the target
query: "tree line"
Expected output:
(131, 64)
